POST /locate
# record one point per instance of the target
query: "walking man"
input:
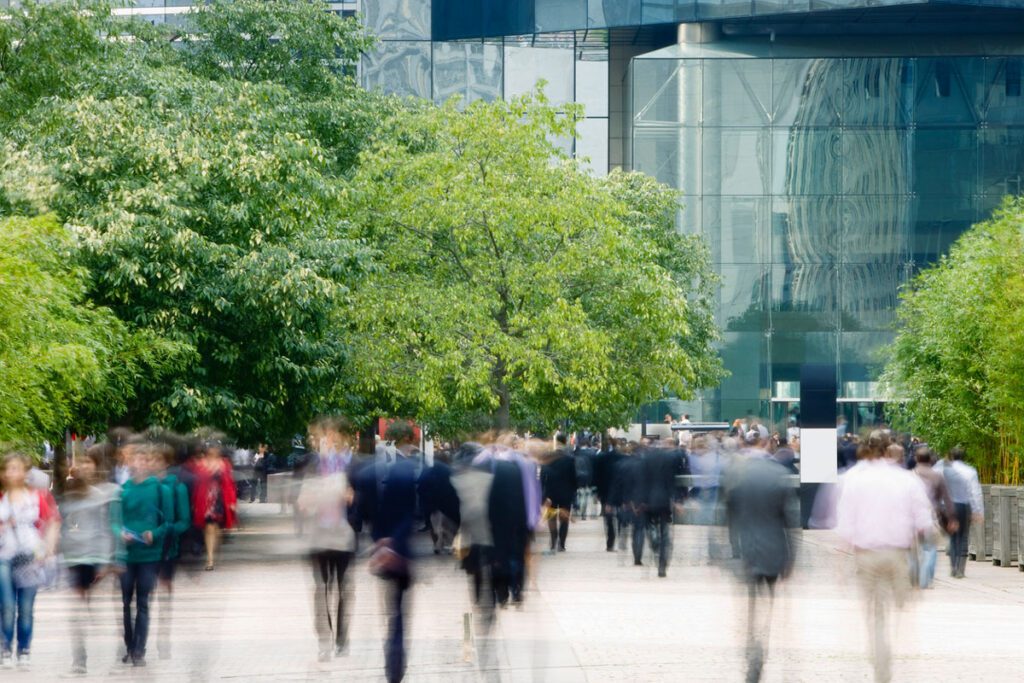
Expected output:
(965, 490)
(882, 509)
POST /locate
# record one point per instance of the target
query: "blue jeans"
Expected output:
(926, 557)
(15, 602)
(138, 579)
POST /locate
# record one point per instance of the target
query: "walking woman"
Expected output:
(29, 529)
(90, 509)
(146, 519)
(324, 499)
(214, 497)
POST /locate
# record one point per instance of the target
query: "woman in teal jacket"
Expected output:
(146, 519)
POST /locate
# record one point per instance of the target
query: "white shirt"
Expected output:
(882, 506)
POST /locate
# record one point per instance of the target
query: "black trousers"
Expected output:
(656, 525)
(138, 580)
(329, 593)
(394, 646)
(610, 521)
(958, 541)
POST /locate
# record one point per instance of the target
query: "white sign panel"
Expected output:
(818, 456)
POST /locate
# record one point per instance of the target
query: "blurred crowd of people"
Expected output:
(135, 504)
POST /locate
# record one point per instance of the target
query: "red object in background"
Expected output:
(384, 422)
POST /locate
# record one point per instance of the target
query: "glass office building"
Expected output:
(826, 149)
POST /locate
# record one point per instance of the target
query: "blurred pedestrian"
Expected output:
(324, 500)
(969, 508)
(391, 558)
(762, 513)
(180, 521)
(146, 515)
(90, 510)
(439, 502)
(605, 469)
(29, 532)
(214, 498)
(882, 509)
(943, 509)
(558, 485)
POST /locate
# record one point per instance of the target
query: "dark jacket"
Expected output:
(558, 480)
(605, 468)
(181, 517)
(396, 505)
(628, 482)
(506, 509)
(437, 493)
(659, 467)
(761, 513)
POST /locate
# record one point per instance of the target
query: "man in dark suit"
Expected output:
(761, 516)
(558, 486)
(605, 466)
(659, 467)
(393, 520)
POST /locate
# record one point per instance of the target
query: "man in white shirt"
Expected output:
(882, 509)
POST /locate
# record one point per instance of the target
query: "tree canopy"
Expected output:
(249, 239)
(518, 289)
(956, 368)
(205, 189)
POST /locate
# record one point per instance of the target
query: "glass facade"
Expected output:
(407, 62)
(458, 19)
(822, 183)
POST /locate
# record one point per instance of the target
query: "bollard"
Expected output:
(979, 542)
(1004, 525)
(467, 637)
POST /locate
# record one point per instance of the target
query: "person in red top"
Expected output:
(214, 497)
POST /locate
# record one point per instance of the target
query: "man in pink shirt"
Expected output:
(882, 509)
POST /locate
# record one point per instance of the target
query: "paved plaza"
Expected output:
(590, 616)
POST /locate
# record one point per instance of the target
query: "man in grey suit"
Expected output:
(762, 515)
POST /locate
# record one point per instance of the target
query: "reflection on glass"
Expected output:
(471, 71)
(399, 68)
(525, 66)
(398, 19)
(737, 161)
(737, 92)
(560, 15)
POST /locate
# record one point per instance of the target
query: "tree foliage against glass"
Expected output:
(956, 365)
(517, 289)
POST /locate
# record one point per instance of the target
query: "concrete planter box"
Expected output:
(1004, 512)
(979, 543)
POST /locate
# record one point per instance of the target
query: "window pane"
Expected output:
(399, 67)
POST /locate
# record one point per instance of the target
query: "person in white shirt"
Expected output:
(968, 505)
(882, 509)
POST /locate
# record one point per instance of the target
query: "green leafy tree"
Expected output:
(63, 362)
(208, 201)
(297, 43)
(516, 288)
(956, 368)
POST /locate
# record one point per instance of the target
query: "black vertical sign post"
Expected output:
(818, 441)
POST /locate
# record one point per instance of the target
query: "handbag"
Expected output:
(386, 563)
(26, 571)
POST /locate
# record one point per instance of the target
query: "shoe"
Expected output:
(78, 670)
(661, 573)
(209, 567)
(126, 659)
(324, 656)
(139, 661)
(549, 552)
(6, 660)
(561, 548)
(24, 660)
(341, 650)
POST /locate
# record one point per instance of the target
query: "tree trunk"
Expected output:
(502, 419)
